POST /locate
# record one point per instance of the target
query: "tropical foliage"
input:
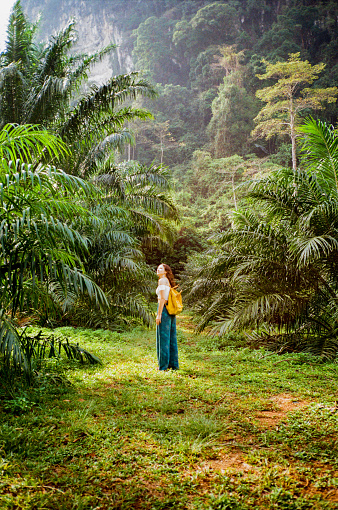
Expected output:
(53, 91)
(276, 269)
(70, 241)
(70, 249)
(41, 250)
(46, 84)
(136, 212)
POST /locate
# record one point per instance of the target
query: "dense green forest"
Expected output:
(206, 92)
(230, 106)
(212, 147)
(203, 59)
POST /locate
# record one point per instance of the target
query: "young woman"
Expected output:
(166, 340)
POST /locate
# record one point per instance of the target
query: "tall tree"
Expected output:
(234, 107)
(289, 97)
(40, 245)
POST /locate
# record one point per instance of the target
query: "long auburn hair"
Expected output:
(169, 275)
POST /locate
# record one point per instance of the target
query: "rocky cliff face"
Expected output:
(96, 24)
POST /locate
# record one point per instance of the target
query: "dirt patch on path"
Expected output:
(232, 462)
(283, 404)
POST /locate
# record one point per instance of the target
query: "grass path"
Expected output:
(232, 429)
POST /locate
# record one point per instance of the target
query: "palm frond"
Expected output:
(80, 65)
(19, 36)
(12, 72)
(320, 152)
(28, 142)
(103, 98)
(10, 344)
(22, 352)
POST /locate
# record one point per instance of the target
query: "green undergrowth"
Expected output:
(234, 428)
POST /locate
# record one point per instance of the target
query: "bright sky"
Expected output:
(5, 9)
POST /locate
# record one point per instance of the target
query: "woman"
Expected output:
(166, 340)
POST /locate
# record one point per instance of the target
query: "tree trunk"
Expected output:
(233, 190)
(293, 138)
(161, 140)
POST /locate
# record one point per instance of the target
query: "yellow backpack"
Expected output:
(174, 305)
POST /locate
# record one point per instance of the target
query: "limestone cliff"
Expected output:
(96, 24)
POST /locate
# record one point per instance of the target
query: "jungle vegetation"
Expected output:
(218, 154)
(273, 272)
(79, 244)
(73, 221)
(246, 119)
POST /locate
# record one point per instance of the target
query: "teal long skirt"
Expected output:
(166, 342)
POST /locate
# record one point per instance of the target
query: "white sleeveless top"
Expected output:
(166, 289)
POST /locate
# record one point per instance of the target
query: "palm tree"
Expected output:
(135, 209)
(40, 246)
(276, 269)
(45, 85)
(49, 89)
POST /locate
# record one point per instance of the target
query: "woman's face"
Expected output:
(160, 270)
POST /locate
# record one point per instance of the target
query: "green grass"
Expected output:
(232, 429)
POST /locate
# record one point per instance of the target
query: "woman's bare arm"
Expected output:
(162, 300)
(160, 307)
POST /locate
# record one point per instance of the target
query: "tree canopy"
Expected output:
(289, 97)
